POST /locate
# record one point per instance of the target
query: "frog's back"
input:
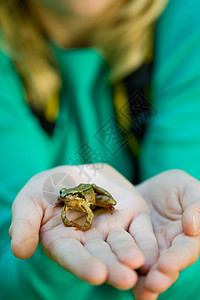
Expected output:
(84, 186)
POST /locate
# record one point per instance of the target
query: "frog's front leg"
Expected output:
(89, 219)
(64, 218)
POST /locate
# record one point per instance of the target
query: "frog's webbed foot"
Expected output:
(64, 218)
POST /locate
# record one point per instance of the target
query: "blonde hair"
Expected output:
(125, 38)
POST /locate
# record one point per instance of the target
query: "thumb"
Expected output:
(190, 201)
(191, 219)
(25, 226)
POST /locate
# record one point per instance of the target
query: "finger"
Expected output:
(74, 257)
(24, 230)
(119, 275)
(183, 253)
(158, 282)
(125, 248)
(191, 206)
(142, 231)
(141, 292)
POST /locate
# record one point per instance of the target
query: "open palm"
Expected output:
(174, 201)
(109, 251)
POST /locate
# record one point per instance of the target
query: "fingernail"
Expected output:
(196, 220)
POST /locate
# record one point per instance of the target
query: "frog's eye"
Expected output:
(63, 192)
(81, 195)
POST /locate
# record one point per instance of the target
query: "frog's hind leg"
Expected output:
(89, 219)
(101, 191)
(104, 201)
(64, 218)
(103, 197)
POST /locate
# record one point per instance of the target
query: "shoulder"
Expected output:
(8, 72)
(180, 10)
(12, 96)
(177, 46)
(178, 23)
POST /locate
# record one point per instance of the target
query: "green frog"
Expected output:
(84, 198)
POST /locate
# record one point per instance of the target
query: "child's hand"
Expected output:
(109, 251)
(174, 201)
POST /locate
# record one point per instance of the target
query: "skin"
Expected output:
(111, 249)
(70, 23)
(77, 8)
(116, 244)
(174, 201)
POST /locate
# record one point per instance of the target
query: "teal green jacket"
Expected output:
(86, 131)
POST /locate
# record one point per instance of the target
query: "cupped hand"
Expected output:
(115, 245)
(174, 201)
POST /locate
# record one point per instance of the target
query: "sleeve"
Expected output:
(25, 150)
(172, 139)
(19, 160)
